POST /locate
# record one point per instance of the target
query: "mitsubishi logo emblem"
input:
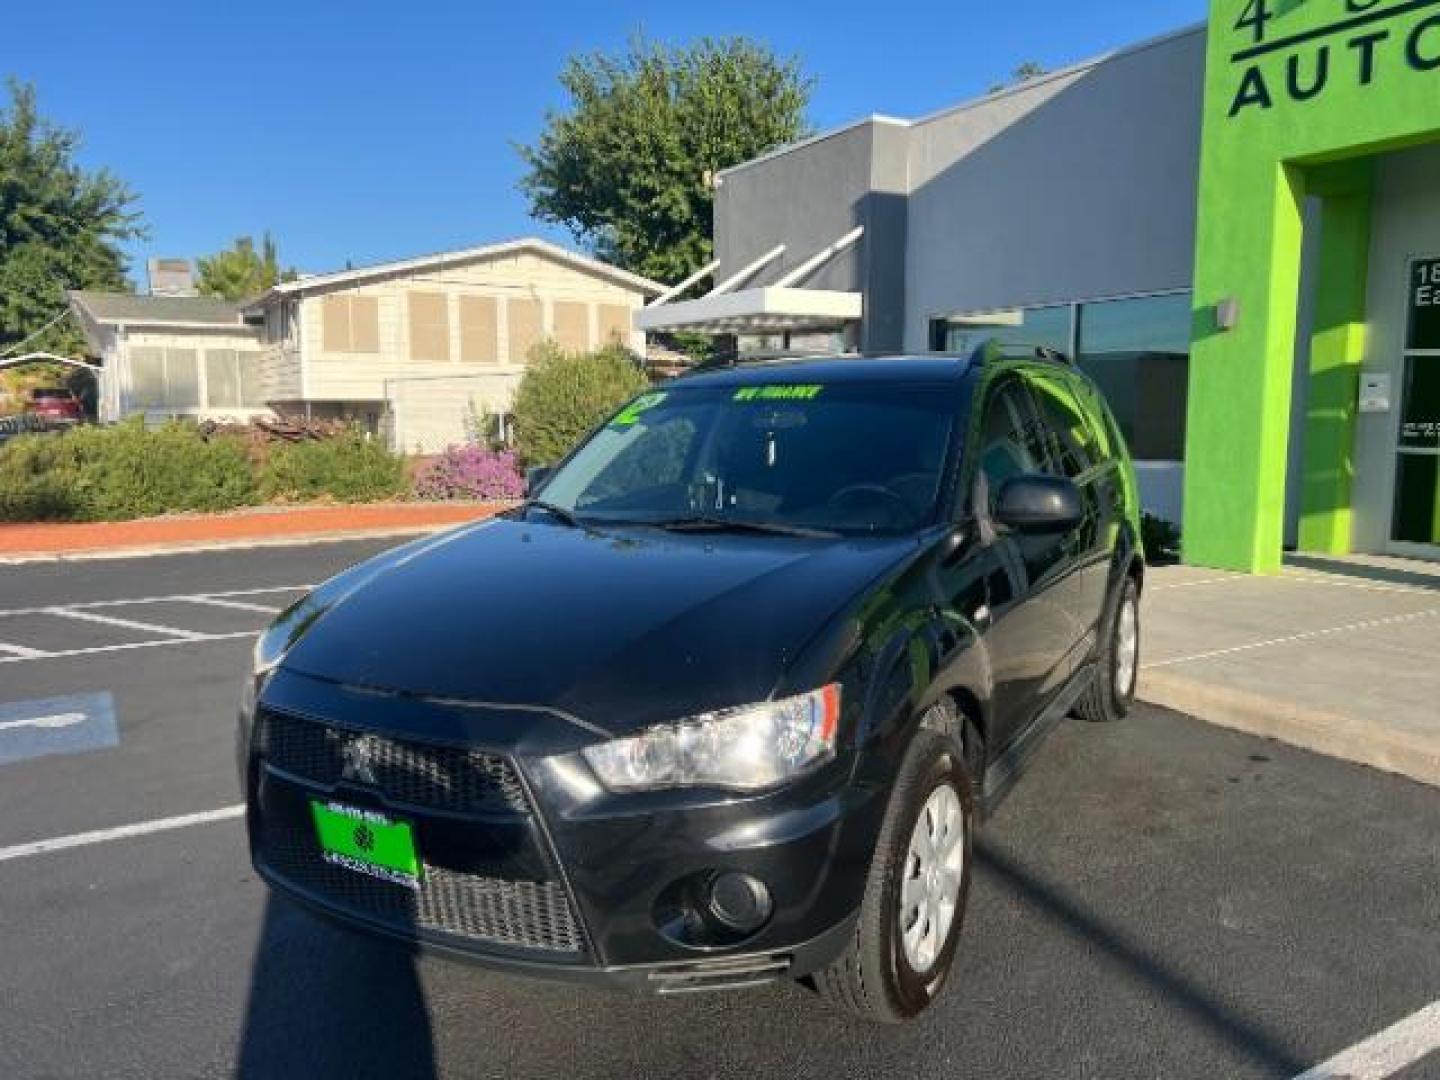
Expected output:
(358, 755)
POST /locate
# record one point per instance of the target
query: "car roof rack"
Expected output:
(995, 350)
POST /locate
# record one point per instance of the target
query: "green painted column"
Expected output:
(1237, 448)
(1337, 348)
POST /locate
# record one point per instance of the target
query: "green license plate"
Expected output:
(367, 843)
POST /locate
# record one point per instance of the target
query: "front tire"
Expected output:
(1117, 670)
(904, 943)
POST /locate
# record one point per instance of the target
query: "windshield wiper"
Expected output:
(704, 523)
(565, 516)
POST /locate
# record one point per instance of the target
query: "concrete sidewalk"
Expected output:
(1340, 656)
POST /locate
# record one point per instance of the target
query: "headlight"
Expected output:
(746, 749)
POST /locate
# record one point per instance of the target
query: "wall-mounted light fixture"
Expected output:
(1227, 314)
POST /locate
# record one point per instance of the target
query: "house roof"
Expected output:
(533, 245)
(112, 308)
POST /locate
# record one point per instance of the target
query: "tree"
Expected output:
(240, 272)
(61, 228)
(1030, 69)
(629, 166)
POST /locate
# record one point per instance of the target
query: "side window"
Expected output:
(1011, 440)
(1074, 440)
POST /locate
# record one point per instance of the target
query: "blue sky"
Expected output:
(369, 131)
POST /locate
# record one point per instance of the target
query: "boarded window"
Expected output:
(572, 325)
(164, 379)
(147, 378)
(526, 328)
(478, 330)
(615, 325)
(429, 326)
(252, 391)
(351, 324)
(182, 379)
(222, 379)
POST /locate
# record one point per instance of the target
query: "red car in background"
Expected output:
(55, 405)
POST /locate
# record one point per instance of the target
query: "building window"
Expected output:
(232, 379)
(478, 330)
(526, 328)
(429, 326)
(615, 322)
(164, 379)
(1138, 352)
(351, 324)
(1047, 327)
(572, 325)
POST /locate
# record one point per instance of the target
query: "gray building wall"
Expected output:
(1073, 187)
(809, 196)
(1078, 187)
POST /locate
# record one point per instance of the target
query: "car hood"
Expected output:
(621, 628)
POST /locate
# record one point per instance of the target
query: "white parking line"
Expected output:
(20, 652)
(1387, 1053)
(122, 832)
(128, 624)
(88, 605)
(233, 605)
(1369, 624)
(99, 650)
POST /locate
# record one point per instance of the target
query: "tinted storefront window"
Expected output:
(1045, 326)
(1138, 351)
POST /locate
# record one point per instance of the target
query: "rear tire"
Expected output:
(1117, 669)
(901, 953)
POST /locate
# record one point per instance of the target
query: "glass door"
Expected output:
(1416, 528)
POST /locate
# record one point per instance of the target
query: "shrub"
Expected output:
(348, 468)
(470, 471)
(564, 395)
(120, 472)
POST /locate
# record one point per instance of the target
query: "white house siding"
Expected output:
(425, 415)
(357, 377)
(118, 397)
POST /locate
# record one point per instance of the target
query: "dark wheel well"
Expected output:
(963, 722)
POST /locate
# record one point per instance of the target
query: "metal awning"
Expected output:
(757, 311)
(781, 307)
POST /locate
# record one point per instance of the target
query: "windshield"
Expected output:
(849, 458)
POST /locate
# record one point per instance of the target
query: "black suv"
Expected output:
(725, 700)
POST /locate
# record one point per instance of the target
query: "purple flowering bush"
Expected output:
(470, 471)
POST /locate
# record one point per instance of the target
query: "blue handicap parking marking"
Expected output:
(62, 725)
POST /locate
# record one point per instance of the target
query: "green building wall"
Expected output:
(1299, 95)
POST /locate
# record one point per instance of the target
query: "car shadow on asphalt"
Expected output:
(325, 1002)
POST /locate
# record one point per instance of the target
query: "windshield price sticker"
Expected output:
(630, 415)
(778, 393)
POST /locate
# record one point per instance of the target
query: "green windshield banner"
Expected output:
(630, 415)
(778, 393)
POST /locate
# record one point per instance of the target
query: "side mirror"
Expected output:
(1040, 504)
(535, 478)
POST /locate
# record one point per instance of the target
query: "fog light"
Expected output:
(740, 902)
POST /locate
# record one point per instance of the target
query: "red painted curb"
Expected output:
(53, 539)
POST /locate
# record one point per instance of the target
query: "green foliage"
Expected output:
(348, 468)
(241, 271)
(564, 395)
(629, 167)
(1161, 539)
(61, 227)
(126, 471)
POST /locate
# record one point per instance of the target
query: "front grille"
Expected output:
(517, 914)
(410, 773)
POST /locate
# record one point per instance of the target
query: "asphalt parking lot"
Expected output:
(1157, 898)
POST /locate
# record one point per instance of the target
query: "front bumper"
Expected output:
(535, 869)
